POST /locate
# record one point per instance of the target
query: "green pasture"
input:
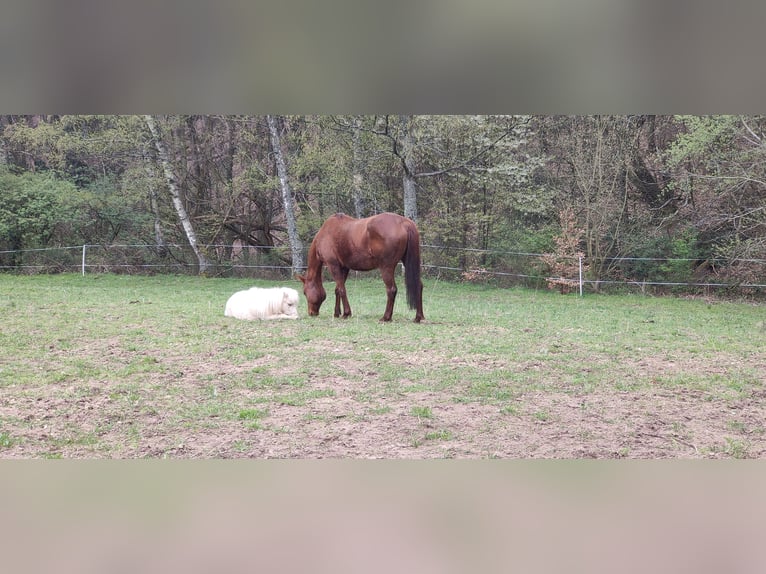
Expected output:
(152, 355)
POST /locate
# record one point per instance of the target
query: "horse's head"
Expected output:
(315, 294)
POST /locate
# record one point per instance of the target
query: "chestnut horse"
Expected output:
(377, 242)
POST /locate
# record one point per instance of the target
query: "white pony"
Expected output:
(263, 303)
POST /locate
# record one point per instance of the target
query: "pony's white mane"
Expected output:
(263, 303)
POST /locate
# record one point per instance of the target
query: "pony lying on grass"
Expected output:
(263, 303)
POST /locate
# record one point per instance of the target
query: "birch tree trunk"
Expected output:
(175, 194)
(408, 161)
(296, 246)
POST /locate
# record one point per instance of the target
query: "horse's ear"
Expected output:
(301, 278)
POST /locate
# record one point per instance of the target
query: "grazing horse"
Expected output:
(377, 242)
(263, 303)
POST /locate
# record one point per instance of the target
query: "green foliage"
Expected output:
(41, 210)
(526, 239)
(323, 168)
(485, 183)
(685, 250)
(77, 148)
(664, 259)
(498, 189)
(32, 208)
(103, 213)
(704, 135)
(721, 160)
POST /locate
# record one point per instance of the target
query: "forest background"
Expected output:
(638, 197)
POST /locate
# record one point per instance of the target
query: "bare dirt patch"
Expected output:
(196, 409)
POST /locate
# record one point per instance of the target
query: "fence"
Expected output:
(478, 265)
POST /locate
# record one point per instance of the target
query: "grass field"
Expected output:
(108, 366)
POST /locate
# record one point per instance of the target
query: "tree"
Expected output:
(175, 194)
(407, 155)
(296, 246)
(31, 210)
(720, 187)
(591, 159)
(426, 147)
(475, 179)
(654, 186)
(564, 263)
(344, 165)
(99, 157)
(159, 236)
(357, 176)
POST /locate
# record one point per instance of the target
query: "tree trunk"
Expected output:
(296, 246)
(408, 161)
(159, 238)
(356, 169)
(175, 194)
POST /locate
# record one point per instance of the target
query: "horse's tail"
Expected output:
(412, 268)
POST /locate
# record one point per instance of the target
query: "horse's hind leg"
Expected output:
(419, 305)
(388, 278)
(340, 274)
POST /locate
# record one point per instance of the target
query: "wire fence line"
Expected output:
(464, 264)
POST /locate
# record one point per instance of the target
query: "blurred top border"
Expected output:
(343, 56)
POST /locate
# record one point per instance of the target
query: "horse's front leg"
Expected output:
(340, 274)
(337, 302)
(388, 279)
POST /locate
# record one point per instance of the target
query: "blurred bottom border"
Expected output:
(382, 516)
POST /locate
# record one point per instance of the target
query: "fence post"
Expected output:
(84, 247)
(580, 261)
